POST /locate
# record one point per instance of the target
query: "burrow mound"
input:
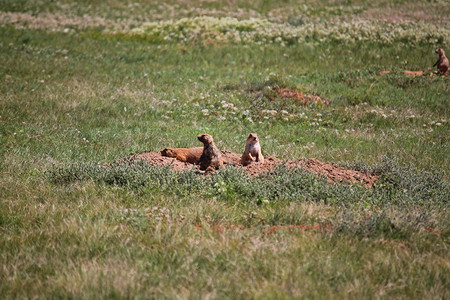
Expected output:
(413, 73)
(330, 171)
(304, 99)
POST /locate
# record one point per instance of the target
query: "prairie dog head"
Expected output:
(440, 51)
(252, 138)
(169, 152)
(206, 139)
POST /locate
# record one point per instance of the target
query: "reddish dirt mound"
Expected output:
(384, 72)
(330, 171)
(305, 99)
(414, 73)
(156, 159)
(333, 173)
(409, 73)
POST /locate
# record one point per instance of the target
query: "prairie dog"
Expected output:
(252, 150)
(442, 62)
(211, 157)
(189, 155)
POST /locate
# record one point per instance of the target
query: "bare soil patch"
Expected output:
(298, 96)
(406, 72)
(413, 73)
(332, 172)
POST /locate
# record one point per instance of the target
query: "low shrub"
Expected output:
(397, 184)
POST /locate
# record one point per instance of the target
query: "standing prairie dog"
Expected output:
(252, 150)
(442, 62)
(211, 156)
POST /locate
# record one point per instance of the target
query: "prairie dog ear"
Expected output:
(253, 136)
(204, 137)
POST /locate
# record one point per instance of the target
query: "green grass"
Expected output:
(71, 101)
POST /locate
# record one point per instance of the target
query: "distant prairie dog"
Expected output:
(211, 156)
(189, 155)
(442, 62)
(252, 150)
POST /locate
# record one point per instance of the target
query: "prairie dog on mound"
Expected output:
(211, 156)
(442, 62)
(189, 155)
(252, 150)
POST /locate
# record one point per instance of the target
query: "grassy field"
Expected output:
(88, 82)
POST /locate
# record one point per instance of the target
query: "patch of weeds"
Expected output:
(142, 218)
(408, 183)
(232, 183)
(261, 89)
(405, 82)
(352, 78)
(263, 94)
(397, 184)
(275, 95)
(298, 20)
(272, 81)
(388, 222)
(255, 30)
(373, 225)
(10, 223)
(377, 120)
(123, 174)
(188, 180)
(351, 98)
(285, 183)
(288, 184)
